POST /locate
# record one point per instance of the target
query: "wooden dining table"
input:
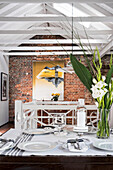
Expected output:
(56, 162)
(93, 159)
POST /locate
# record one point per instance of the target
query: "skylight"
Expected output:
(66, 9)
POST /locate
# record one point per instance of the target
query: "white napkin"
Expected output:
(11, 134)
(72, 148)
(7, 145)
(76, 146)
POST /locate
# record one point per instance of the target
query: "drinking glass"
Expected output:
(59, 121)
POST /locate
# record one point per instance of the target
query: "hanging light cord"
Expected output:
(72, 28)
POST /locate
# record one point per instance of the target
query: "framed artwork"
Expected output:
(48, 79)
(4, 84)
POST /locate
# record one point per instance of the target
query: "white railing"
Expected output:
(35, 114)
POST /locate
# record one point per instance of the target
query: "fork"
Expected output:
(4, 143)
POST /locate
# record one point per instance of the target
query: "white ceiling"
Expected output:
(21, 20)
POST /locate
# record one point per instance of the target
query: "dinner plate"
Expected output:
(64, 146)
(103, 144)
(37, 146)
(38, 131)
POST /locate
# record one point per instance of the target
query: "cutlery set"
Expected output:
(4, 143)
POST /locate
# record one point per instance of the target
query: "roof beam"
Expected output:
(7, 7)
(105, 49)
(53, 10)
(45, 53)
(56, 19)
(103, 12)
(30, 8)
(55, 41)
(54, 31)
(106, 8)
(34, 32)
(54, 1)
(65, 25)
(28, 48)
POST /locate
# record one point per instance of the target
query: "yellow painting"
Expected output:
(48, 78)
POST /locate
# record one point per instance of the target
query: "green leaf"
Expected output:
(109, 75)
(82, 72)
(110, 64)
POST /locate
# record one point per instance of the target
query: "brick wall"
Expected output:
(20, 80)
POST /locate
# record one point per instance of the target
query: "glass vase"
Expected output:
(103, 130)
(55, 99)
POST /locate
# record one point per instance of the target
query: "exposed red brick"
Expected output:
(20, 84)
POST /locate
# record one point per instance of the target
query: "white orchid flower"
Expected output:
(97, 104)
(94, 81)
(94, 88)
(112, 79)
(95, 94)
(110, 86)
(103, 78)
(101, 94)
(100, 84)
(105, 90)
(105, 84)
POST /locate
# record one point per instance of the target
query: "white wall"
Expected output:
(4, 105)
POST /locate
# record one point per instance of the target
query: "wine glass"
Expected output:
(59, 120)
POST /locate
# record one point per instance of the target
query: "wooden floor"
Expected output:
(6, 127)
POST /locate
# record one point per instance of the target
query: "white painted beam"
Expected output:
(57, 19)
(55, 41)
(54, 1)
(41, 28)
(33, 32)
(65, 25)
(105, 49)
(54, 31)
(53, 10)
(43, 53)
(106, 8)
(28, 48)
(66, 53)
(7, 7)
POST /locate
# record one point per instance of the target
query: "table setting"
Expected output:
(25, 143)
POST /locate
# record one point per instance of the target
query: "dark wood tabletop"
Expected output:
(56, 162)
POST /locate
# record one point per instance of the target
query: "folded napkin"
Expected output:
(76, 145)
(6, 145)
(11, 135)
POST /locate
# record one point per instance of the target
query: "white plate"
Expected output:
(37, 146)
(103, 144)
(38, 131)
(7, 145)
(64, 146)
